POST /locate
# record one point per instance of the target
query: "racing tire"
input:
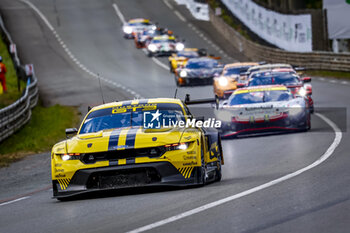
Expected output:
(218, 175)
(203, 174)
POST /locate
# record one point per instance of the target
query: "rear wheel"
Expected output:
(203, 169)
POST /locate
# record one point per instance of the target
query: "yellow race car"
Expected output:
(180, 58)
(231, 78)
(119, 145)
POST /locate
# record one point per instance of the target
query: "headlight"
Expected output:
(183, 73)
(177, 146)
(152, 47)
(154, 27)
(223, 81)
(73, 156)
(127, 30)
(65, 157)
(295, 110)
(302, 92)
(180, 46)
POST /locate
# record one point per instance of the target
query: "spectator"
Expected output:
(2, 75)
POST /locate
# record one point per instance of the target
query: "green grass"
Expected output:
(11, 78)
(229, 20)
(328, 74)
(46, 127)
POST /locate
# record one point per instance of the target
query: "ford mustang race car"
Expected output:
(231, 78)
(295, 83)
(164, 46)
(198, 71)
(114, 149)
(134, 26)
(262, 110)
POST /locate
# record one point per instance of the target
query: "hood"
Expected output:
(124, 138)
(203, 72)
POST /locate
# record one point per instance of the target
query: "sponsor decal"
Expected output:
(60, 175)
(89, 145)
(190, 157)
(159, 119)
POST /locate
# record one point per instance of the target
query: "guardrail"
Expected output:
(18, 114)
(310, 60)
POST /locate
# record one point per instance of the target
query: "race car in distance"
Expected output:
(231, 78)
(296, 84)
(113, 149)
(275, 66)
(180, 58)
(198, 71)
(263, 110)
(134, 26)
(164, 46)
(142, 39)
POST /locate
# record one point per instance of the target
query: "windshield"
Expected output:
(140, 24)
(259, 97)
(269, 78)
(188, 54)
(199, 64)
(235, 70)
(127, 116)
(162, 41)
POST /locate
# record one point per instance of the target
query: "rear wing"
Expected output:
(188, 101)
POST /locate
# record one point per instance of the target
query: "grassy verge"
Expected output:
(11, 78)
(46, 127)
(328, 74)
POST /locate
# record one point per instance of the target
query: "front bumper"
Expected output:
(284, 124)
(197, 81)
(125, 176)
(162, 53)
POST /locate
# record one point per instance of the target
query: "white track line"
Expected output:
(119, 13)
(67, 50)
(166, 2)
(19, 199)
(161, 64)
(178, 14)
(326, 155)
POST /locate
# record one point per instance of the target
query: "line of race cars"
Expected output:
(195, 67)
(113, 149)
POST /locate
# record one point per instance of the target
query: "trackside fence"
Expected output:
(254, 51)
(14, 116)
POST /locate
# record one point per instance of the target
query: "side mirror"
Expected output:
(70, 131)
(306, 79)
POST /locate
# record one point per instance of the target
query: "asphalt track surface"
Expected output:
(314, 201)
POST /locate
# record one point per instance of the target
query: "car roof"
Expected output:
(269, 67)
(239, 64)
(273, 71)
(139, 20)
(138, 102)
(197, 59)
(261, 88)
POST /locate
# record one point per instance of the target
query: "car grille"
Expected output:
(152, 152)
(123, 178)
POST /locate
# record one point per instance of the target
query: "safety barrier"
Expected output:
(14, 116)
(254, 51)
